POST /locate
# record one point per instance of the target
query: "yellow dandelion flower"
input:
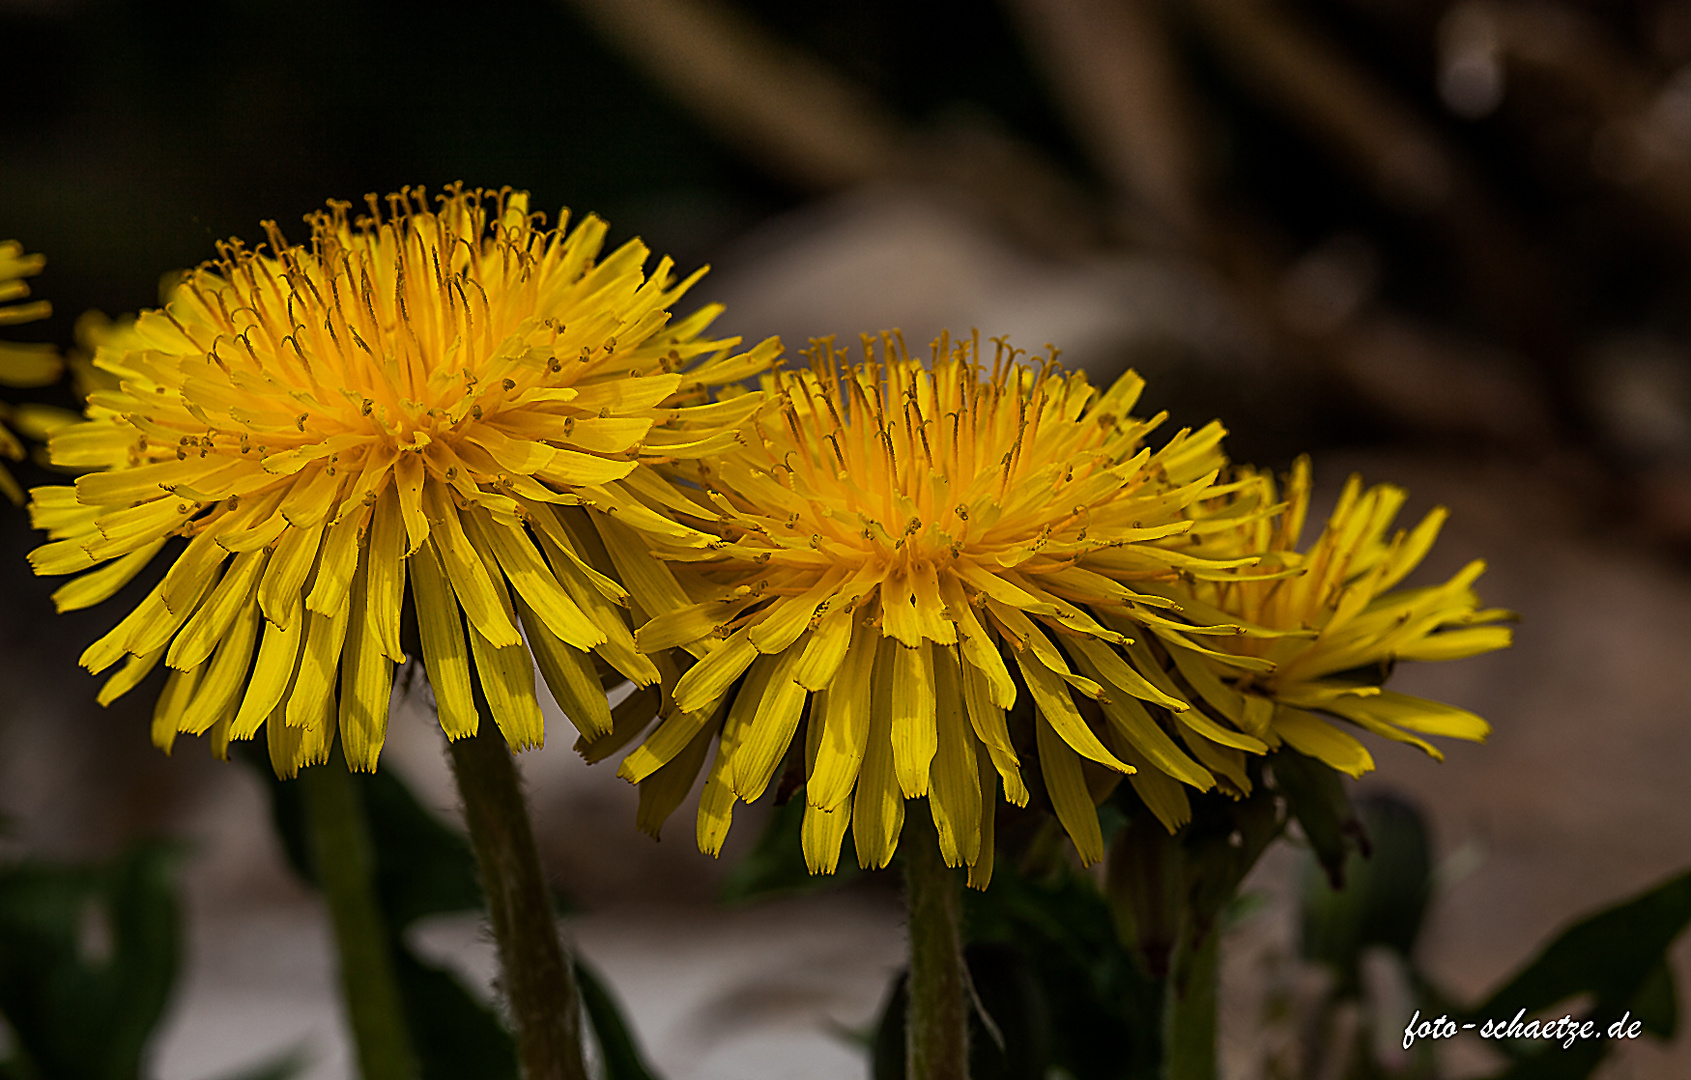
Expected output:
(910, 547)
(1331, 622)
(21, 365)
(436, 393)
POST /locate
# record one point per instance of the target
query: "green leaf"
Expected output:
(1617, 956)
(1656, 1004)
(1315, 792)
(88, 956)
(1065, 992)
(617, 1046)
(1609, 955)
(285, 1066)
(456, 1036)
(1385, 895)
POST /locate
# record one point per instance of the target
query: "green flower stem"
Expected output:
(1190, 1007)
(937, 1026)
(341, 852)
(539, 981)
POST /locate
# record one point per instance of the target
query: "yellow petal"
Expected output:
(877, 811)
(1132, 725)
(272, 673)
(408, 475)
(385, 574)
(987, 720)
(168, 709)
(569, 675)
(312, 699)
(779, 625)
(1107, 666)
(366, 680)
(219, 689)
(667, 788)
(845, 724)
(673, 736)
(980, 871)
(524, 568)
(446, 658)
(1309, 734)
(1051, 698)
(821, 835)
(1066, 785)
(685, 625)
(285, 744)
(466, 571)
(1416, 714)
(232, 596)
(284, 576)
(126, 677)
(826, 649)
(311, 496)
(980, 650)
(914, 735)
(507, 678)
(337, 558)
(770, 727)
(709, 679)
(716, 803)
(955, 791)
(102, 584)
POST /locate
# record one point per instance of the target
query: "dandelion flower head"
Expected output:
(908, 549)
(21, 365)
(433, 394)
(1332, 623)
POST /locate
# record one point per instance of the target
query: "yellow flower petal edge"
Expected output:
(909, 548)
(443, 391)
(1331, 622)
(21, 365)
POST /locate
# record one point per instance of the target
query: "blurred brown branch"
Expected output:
(1639, 124)
(815, 129)
(1116, 76)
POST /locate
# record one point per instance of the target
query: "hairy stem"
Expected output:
(937, 1026)
(539, 980)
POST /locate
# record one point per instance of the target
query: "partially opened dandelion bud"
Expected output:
(1331, 622)
(912, 550)
(421, 395)
(21, 365)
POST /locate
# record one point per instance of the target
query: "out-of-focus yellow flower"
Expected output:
(433, 392)
(909, 548)
(1332, 624)
(21, 365)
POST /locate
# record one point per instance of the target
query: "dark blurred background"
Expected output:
(1449, 243)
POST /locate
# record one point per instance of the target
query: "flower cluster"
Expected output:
(433, 392)
(909, 552)
(440, 427)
